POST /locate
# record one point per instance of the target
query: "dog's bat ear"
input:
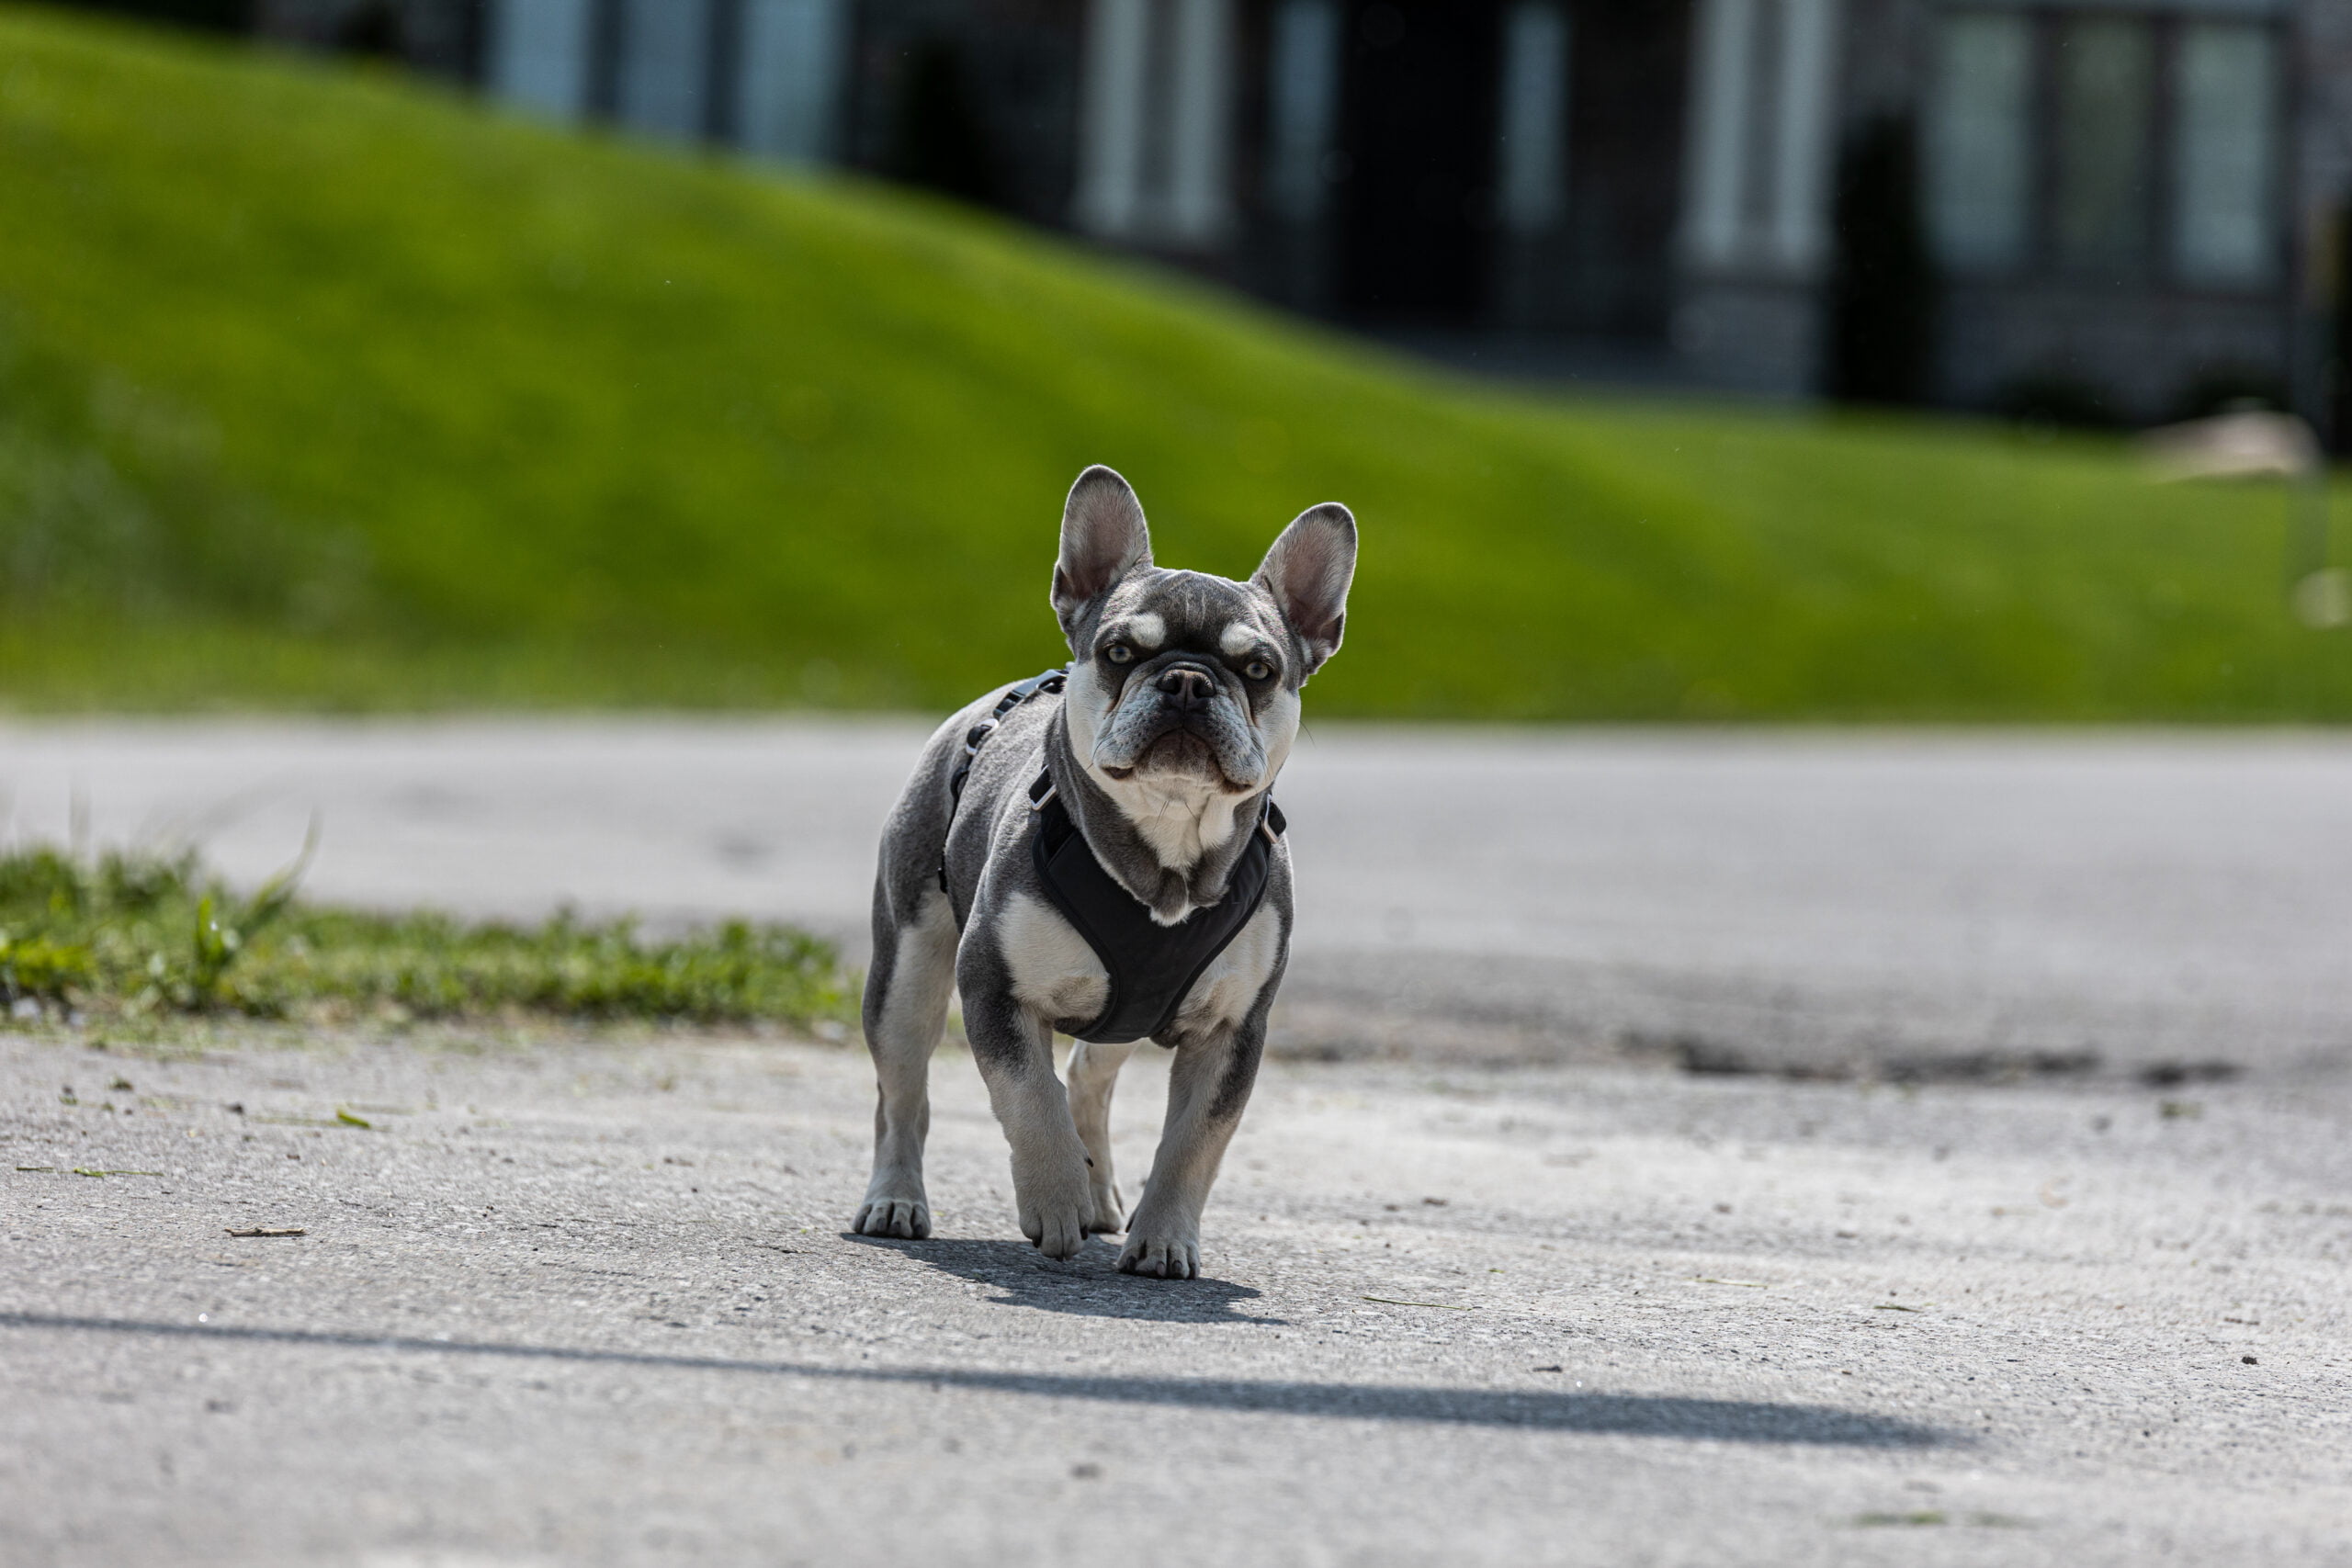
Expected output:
(1103, 539)
(1307, 571)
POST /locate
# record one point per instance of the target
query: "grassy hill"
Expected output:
(321, 388)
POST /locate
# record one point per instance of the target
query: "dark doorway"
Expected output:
(1629, 64)
(938, 141)
(1418, 134)
(372, 31)
(1882, 289)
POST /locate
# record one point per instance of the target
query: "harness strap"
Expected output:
(974, 738)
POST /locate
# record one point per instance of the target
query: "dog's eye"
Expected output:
(1257, 670)
(1119, 653)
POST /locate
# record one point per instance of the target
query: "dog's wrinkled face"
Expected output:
(1190, 677)
(1184, 685)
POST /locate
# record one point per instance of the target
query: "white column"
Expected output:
(665, 66)
(788, 81)
(1199, 163)
(1802, 146)
(1534, 115)
(1110, 153)
(538, 55)
(1302, 82)
(1722, 85)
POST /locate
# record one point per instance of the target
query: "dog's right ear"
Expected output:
(1103, 539)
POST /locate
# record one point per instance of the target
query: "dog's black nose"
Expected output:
(1186, 686)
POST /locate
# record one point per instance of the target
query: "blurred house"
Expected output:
(2125, 206)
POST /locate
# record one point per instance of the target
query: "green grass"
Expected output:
(319, 388)
(126, 938)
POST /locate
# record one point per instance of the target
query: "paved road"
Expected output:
(1939, 902)
(591, 1303)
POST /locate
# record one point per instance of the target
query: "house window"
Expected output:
(765, 74)
(2224, 157)
(1303, 79)
(792, 58)
(1980, 168)
(2104, 144)
(540, 52)
(1534, 114)
(665, 66)
(2106, 70)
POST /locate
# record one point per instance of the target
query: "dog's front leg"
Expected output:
(1208, 1087)
(1015, 1048)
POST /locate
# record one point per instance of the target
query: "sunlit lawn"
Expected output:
(324, 389)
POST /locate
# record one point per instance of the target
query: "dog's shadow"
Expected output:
(1090, 1283)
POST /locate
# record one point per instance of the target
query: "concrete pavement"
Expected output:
(588, 1302)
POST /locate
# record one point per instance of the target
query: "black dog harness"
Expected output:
(1152, 967)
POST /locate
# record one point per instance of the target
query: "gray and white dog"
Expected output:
(1180, 705)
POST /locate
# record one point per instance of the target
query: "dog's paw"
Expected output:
(1054, 1204)
(1161, 1256)
(1110, 1216)
(908, 1218)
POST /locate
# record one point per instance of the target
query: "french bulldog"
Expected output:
(1159, 746)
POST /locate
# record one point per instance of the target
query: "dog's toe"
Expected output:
(1059, 1232)
(1162, 1258)
(902, 1217)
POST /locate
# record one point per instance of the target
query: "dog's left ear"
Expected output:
(1307, 571)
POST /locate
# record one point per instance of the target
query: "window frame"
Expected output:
(2159, 265)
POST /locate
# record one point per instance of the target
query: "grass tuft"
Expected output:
(128, 936)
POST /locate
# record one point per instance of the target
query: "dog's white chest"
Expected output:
(1229, 987)
(1053, 970)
